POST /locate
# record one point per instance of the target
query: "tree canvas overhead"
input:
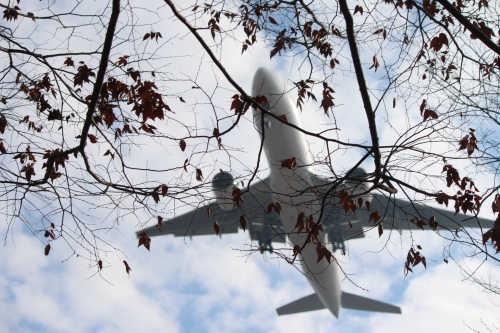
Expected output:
(107, 118)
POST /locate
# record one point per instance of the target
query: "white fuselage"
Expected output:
(291, 187)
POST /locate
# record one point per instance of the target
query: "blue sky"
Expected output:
(209, 285)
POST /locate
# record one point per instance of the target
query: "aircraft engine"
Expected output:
(222, 185)
(356, 182)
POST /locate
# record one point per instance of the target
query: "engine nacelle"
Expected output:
(222, 185)
(356, 182)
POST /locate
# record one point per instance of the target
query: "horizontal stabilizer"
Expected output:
(308, 303)
(355, 302)
(349, 301)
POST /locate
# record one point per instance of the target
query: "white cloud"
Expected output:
(205, 286)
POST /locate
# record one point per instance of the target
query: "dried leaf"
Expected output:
(159, 224)
(430, 114)
(127, 267)
(243, 222)
(92, 138)
(47, 249)
(216, 228)
(156, 197)
(199, 175)
(376, 64)
(182, 144)
(358, 9)
(360, 202)
(144, 240)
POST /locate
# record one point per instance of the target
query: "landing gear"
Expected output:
(266, 247)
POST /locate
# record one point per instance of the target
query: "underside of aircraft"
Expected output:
(298, 190)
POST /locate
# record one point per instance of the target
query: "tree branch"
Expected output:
(370, 115)
(466, 23)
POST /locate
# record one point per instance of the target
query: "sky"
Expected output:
(209, 284)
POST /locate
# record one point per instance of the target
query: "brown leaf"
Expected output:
(164, 189)
(358, 9)
(422, 106)
(269, 208)
(99, 264)
(92, 138)
(2, 148)
(300, 221)
(199, 175)
(243, 222)
(430, 114)
(47, 249)
(284, 118)
(374, 216)
(216, 228)
(273, 21)
(68, 62)
(155, 196)
(367, 204)
(3, 124)
(144, 240)
(380, 229)
(127, 267)
(296, 250)
(320, 252)
(289, 163)
(360, 202)
(376, 64)
(433, 223)
(182, 144)
(159, 224)
(443, 39)
(463, 143)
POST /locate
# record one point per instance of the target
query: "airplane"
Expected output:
(297, 190)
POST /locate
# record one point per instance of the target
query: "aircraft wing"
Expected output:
(395, 214)
(264, 228)
(398, 213)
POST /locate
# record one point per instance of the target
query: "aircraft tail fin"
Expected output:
(356, 302)
(348, 301)
(308, 303)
